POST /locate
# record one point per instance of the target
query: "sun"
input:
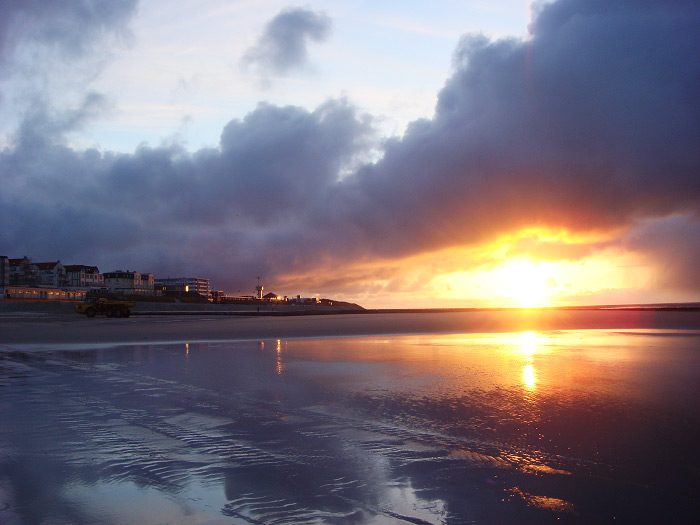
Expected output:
(506, 275)
(525, 283)
(520, 282)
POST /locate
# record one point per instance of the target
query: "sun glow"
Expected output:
(528, 343)
(526, 283)
(540, 270)
(516, 282)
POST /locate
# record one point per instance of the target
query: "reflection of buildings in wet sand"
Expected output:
(279, 365)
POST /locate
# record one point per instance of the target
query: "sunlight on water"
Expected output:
(528, 347)
(529, 376)
(528, 343)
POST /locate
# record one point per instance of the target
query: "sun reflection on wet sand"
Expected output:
(528, 343)
(528, 347)
(529, 376)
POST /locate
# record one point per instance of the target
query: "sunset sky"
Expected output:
(395, 154)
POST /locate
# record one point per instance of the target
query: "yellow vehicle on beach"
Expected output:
(109, 307)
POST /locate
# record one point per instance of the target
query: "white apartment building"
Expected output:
(81, 276)
(23, 272)
(127, 282)
(52, 274)
(184, 284)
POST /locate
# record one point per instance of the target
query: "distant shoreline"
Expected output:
(370, 311)
(271, 309)
(46, 330)
(661, 307)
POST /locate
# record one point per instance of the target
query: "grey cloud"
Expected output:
(592, 124)
(53, 48)
(283, 44)
(71, 26)
(673, 245)
(286, 158)
(271, 166)
(44, 124)
(242, 206)
(589, 125)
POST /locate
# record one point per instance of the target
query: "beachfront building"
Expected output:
(4, 270)
(52, 274)
(81, 276)
(23, 272)
(304, 300)
(217, 296)
(148, 283)
(184, 284)
(40, 293)
(127, 282)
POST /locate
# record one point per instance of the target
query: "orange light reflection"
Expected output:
(279, 358)
(528, 347)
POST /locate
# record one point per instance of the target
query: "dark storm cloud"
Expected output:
(243, 204)
(283, 44)
(592, 125)
(673, 244)
(589, 125)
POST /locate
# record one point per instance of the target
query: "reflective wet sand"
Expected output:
(584, 426)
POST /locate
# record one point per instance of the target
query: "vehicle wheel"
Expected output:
(127, 312)
(118, 312)
(109, 312)
(90, 312)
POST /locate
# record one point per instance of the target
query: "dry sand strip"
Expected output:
(50, 330)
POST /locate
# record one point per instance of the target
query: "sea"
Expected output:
(587, 426)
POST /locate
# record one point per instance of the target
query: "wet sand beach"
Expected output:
(41, 328)
(459, 417)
